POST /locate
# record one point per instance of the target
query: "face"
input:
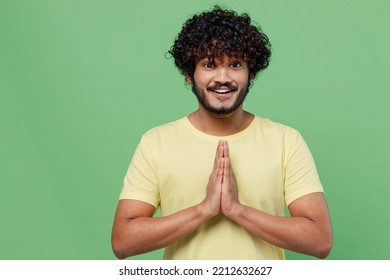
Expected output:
(220, 85)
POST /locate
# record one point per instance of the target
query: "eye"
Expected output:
(236, 64)
(208, 64)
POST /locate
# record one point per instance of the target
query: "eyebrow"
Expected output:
(213, 59)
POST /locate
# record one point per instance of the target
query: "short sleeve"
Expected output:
(301, 176)
(141, 182)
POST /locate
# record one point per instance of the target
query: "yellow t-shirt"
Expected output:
(172, 164)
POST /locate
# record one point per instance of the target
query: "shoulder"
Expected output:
(164, 129)
(287, 137)
(164, 133)
(275, 129)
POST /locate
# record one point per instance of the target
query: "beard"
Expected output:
(201, 96)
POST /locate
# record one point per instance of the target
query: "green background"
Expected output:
(80, 81)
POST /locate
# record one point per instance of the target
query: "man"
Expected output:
(221, 175)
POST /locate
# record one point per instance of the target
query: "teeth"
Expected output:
(222, 91)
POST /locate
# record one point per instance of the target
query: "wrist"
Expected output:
(205, 211)
(234, 212)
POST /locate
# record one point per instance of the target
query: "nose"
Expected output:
(222, 75)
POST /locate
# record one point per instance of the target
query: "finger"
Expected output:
(220, 171)
(228, 176)
(226, 171)
(221, 148)
(217, 173)
(218, 156)
(226, 149)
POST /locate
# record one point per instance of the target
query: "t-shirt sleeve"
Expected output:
(301, 176)
(141, 181)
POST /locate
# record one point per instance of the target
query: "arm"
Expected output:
(307, 231)
(136, 231)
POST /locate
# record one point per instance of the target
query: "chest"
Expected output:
(184, 171)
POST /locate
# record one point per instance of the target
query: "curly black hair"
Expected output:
(217, 33)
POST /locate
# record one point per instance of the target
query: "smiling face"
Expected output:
(220, 84)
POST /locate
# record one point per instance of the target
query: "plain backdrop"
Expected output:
(82, 80)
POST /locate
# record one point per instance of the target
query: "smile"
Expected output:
(222, 91)
(222, 95)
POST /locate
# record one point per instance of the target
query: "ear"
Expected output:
(251, 77)
(188, 79)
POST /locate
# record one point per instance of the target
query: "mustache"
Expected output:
(218, 86)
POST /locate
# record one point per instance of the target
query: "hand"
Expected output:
(221, 192)
(212, 201)
(229, 196)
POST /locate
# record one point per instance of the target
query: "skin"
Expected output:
(221, 71)
(308, 230)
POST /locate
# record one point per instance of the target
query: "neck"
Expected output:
(220, 125)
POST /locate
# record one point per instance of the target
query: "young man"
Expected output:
(221, 175)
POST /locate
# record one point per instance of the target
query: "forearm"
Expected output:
(143, 234)
(298, 234)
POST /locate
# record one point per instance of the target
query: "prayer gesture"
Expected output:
(221, 193)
